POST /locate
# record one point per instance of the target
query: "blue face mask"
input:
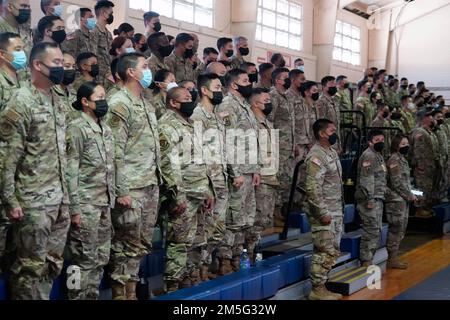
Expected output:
(130, 50)
(58, 10)
(91, 23)
(301, 68)
(147, 79)
(20, 60)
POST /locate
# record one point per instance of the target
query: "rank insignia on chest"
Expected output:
(163, 143)
(227, 121)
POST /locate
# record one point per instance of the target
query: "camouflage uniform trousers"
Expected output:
(426, 182)
(397, 215)
(181, 235)
(88, 247)
(371, 229)
(265, 206)
(240, 217)
(133, 233)
(5, 227)
(326, 241)
(41, 238)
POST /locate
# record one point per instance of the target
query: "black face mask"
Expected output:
(222, 80)
(244, 51)
(194, 95)
(404, 151)
(315, 96)
(189, 53)
(217, 98)
(268, 107)
(282, 64)
(69, 77)
(253, 77)
(369, 90)
(144, 47)
(56, 74)
(59, 36)
(447, 115)
(440, 122)
(165, 51)
(95, 70)
(404, 87)
(157, 26)
(333, 139)
(110, 19)
(24, 16)
(396, 116)
(347, 85)
(187, 108)
(378, 147)
(287, 83)
(101, 108)
(245, 91)
(229, 53)
(332, 91)
(385, 114)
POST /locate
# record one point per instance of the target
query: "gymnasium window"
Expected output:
(347, 43)
(280, 23)
(200, 12)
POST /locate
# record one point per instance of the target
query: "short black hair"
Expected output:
(327, 79)
(246, 65)
(294, 73)
(204, 80)
(403, 79)
(86, 90)
(102, 4)
(149, 16)
(5, 38)
(263, 67)
(183, 38)
(374, 133)
(257, 92)
(82, 13)
(84, 56)
(340, 78)
(298, 60)
(160, 76)
(209, 50)
(275, 57)
(46, 23)
(39, 50)
(306, 86)
(222, 42)
(151, 40)
(232, 76)
(124, 27)
(321, 125)
(127, 61)
(362, 83)
(137, 37)
(276, 73)
(395, 144)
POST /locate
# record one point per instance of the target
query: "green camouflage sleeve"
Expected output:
(367, 178)
(397, 184)
(315, 175)
(170, 63)
(74, 141)
(118, 122)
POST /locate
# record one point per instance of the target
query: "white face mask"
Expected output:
(411, 106)
(171, 85)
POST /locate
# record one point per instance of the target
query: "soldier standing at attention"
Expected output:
(243, 166)
(17, 20)
(370, 194)
(179, 62)
(101, 39)
(398, 198)
(79, 41)
(90, 183)
(137, 163)
(187, 186)
(87, 64)
(160, 48)
(325, 202)
(34, 128)
(343, 99)
(364, 103)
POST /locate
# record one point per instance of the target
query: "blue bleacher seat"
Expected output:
(291, 266)
(3, 286)
(155, 263)
(442, 211)
(351, 241)
(299, 220)
(349, 214)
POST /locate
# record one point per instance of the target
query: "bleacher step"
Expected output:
(301, 241)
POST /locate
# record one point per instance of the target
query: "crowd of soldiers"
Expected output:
(95, 132)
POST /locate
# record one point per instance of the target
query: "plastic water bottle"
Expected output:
(258, 259)
(245, 260)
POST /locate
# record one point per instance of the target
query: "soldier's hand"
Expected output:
(414, 199)
(325, 220)
(16, 214)
(209, 205)
(296, 151)
(125, 202)
(76, 220)
(256, 180)
(181, 208)
(238, 182)
(370, 205)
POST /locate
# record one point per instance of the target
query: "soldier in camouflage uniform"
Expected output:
(214, 155)
(88, 68)
(342, 98)
(179, 61)
(34, 190)
(163, 81)
(408, 115)
(187, 186)
(441, 188)
(65, 90)
(241, 50)
(325, 206)
(137, 163)
(382, 120)
(425, 161)
(243, 169)
(17, 22)
(266, 192)
(101, 39)
(90, 183)
(398, 198)
(160, 48)
(364, 103)
(9, 83)
(80, 40)
(370, 195)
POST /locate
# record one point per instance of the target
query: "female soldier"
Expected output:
(162, 83)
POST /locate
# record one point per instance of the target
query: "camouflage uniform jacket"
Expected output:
(408, 120)
(137, 152)
(323, 182)
(399, 181)
(365, 105)
(155, 64)
(283, 119)
(24, 30)
(34, 126)
(100, 44)
(182, 175)
(67, 97)
(424, 149)
(77, 42)
(8, 86)
(372, 175)
(236, 62)
(343, 100)
(240, 122)
(181, 68)
(328, 109)
(159, 104)
(90, 164)
(269, 158)
(212, 126)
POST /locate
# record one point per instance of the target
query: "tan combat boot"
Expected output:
(172, 286)
(195, 277)
(423, 213)
(321, 293)
(186, 283)
(236, 263)
(225, 267)
(118, 291)
(395, 263)
(130, 288)
(366, 264)
(204, 273)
